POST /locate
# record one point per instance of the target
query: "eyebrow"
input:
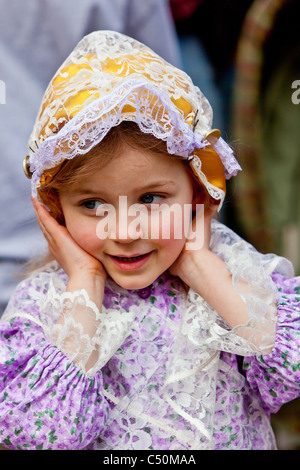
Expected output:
(144, 188)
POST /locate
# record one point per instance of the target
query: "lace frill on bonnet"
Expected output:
(107, 79)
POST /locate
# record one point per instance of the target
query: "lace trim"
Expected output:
(251, 280)
(213, 191)
(9, 316)
(159, 424)
(74, 324)
(178, 401)
(223, 238)
(92, 123)
(109, 78)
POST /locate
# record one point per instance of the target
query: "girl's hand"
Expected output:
(85, 272)
(184, 266)
(71, 257)
(207, 274)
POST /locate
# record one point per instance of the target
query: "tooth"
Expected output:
(126, 258)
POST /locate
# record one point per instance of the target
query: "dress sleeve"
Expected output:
(275, 377)
(73, 323)
(51, 384)
(46, 401)
(251, 274)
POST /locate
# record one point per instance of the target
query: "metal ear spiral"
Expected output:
(213, 136)
(26, 167)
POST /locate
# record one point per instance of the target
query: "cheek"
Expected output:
(169, 251)
(169, 236)
(171, 224)
(84, 233)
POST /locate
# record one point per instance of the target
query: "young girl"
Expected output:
(127, 338)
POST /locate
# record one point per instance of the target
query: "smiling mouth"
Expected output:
(131, 258)
(131, 262)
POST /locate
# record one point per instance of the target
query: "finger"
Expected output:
(46, 219)
(200, 229)
(54, 233)
(43, 217)
(38, 214)
(60, 242)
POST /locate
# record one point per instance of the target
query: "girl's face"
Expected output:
(144, 242)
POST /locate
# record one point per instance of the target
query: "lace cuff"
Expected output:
(252, 281)
(73, 323)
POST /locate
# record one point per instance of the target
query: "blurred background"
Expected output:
(245, 57)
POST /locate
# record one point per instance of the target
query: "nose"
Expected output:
(124, 224)
(128, 228)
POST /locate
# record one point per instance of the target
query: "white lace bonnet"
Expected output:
(109, 78)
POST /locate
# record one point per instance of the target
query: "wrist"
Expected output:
(197, 269)
(210, 278)
(92, 283)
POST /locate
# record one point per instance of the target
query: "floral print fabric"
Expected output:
(47, 402)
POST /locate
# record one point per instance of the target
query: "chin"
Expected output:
(134, 282)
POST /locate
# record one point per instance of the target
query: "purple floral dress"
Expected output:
(162, 385)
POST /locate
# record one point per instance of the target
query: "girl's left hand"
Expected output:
(206, 274)
(183, 267)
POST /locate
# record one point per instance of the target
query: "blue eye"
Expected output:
(151, 198)
(92, 205)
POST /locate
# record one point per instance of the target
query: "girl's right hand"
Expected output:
(85, 273)
(75, 261)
